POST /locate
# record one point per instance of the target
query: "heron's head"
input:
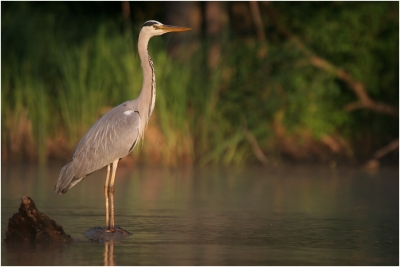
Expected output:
(154, 28)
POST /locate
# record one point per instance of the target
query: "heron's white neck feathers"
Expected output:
(147, 97)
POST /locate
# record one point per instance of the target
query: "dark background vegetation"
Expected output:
(253, 82)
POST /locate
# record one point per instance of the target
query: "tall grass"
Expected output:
(92, 77)
(58, 78)
(26, 113)
(56, 94)
(61, 89)
(171, 109)
(89, 76)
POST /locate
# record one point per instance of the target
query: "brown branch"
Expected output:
(364, 101)
(126, 14)
(256, 148)
(255, 14)
(386, 149)
(255, 11)
(373, 163)
(358, 88)
(254, 145)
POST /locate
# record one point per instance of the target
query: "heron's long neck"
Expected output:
(147, 97)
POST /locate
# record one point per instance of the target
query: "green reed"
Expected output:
(26, 113)
(58, 78)
(63, 89)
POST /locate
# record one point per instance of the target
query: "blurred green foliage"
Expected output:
(61, 70)
(362, 39)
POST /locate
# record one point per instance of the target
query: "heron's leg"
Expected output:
(111, 225)
(113, 170)
(109, 253)
(106, 189)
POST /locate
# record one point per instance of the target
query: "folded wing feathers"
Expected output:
(110, 138)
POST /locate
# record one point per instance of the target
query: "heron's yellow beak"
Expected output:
(170, 28)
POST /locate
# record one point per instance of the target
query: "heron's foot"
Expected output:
(103, 234)
(117, 229)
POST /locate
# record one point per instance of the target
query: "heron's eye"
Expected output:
(155, 26)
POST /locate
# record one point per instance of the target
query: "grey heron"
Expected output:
(118, 131)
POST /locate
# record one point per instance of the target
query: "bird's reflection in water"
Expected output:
(101, 235)
(109, 253)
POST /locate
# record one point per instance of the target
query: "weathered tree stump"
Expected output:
(31, 225)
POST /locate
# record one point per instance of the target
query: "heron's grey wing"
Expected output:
(112, 137)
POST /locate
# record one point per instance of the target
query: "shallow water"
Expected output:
(215, 216)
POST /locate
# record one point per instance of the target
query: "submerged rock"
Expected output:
(31, 225)
(99, 234)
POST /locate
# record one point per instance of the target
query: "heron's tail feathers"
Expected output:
(66, 179)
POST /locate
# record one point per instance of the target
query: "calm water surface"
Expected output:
(215, 216)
